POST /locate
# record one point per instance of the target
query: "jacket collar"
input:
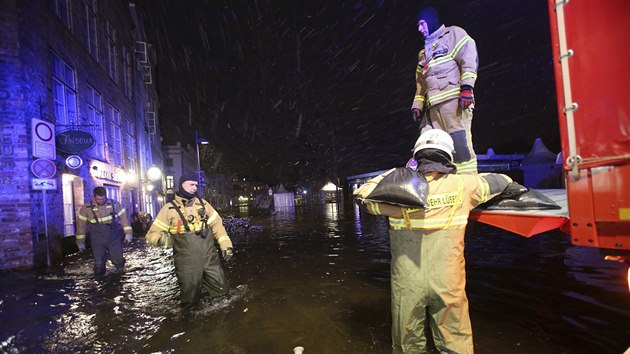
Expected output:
(435, 35)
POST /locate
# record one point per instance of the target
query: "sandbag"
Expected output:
(514, 199)
(403, 187)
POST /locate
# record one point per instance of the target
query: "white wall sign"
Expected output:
(43, 139)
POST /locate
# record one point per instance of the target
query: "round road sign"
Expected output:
(43, 168)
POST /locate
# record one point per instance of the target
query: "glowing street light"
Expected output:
(154, 173)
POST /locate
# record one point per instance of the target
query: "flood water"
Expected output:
(318, 277)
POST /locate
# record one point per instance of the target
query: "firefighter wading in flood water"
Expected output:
(428, 275)
(107, 221)
(191, 225)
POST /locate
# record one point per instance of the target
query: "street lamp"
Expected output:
(200, 179)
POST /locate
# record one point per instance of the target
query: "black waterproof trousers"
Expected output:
(106, 239)
(197, 265)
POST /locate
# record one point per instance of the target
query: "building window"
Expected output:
(90, 35)
(113, 193)
(61, 8)
(127, 76)
(115, 134)
(95, 116)
(64, 94)
(110, 35)
(130, 145)
(170, 182)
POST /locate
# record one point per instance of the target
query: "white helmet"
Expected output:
(435, 139)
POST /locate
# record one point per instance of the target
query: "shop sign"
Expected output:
(74, 141)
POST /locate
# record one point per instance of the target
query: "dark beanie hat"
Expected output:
(187, 177)
(431, 17)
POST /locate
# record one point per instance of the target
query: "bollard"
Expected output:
(298, 350)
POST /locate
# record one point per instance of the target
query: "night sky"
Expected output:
(296, 91)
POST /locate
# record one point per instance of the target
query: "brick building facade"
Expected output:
(79, 65)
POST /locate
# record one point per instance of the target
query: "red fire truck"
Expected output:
(592, 70)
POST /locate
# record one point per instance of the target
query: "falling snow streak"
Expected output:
(273, 83)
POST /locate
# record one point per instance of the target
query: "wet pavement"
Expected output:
(318, 277)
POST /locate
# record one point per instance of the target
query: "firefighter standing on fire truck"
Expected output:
(445, 78)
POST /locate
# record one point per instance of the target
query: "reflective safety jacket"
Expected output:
(451, 198)
(447, 61)
(200, 217)
(102, 214)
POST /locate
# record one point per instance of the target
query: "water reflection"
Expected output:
(318, 277)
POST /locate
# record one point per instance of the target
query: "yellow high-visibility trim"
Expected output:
(212, 217)
(439, 61)
(432, 223)
(468, 74)
(83, 217)
(80, 237)
(445, 94)
(161, 224)
(467, 167)
(459, 46)
(223, 238)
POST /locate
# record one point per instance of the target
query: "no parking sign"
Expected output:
(43, 168)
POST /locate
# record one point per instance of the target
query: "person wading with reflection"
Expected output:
(191, 225)
(106, 221)
(428, 275)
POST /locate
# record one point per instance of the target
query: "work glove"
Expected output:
(227, 253)
(81, 245)
(165, 241)
(417, 114)
(128, 238)
(466, 96)
(226, 247)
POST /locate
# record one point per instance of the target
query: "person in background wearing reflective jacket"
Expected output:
(428, 276)
(445, 78)
(191, 225)
(106, 220)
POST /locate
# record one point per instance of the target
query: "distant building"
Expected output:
(77, 94)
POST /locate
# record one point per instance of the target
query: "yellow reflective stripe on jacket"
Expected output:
(459, 45)
(122, 211)
(84, 218)
(80, 237)
(374, 207)
(182, 230)
(485, 191)
(439, 61)
(160, 224)
(430, 223)
(467, 167)
(127, 228)
(448, 93)
(213, 217)
(419, 98)
(467, 75)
